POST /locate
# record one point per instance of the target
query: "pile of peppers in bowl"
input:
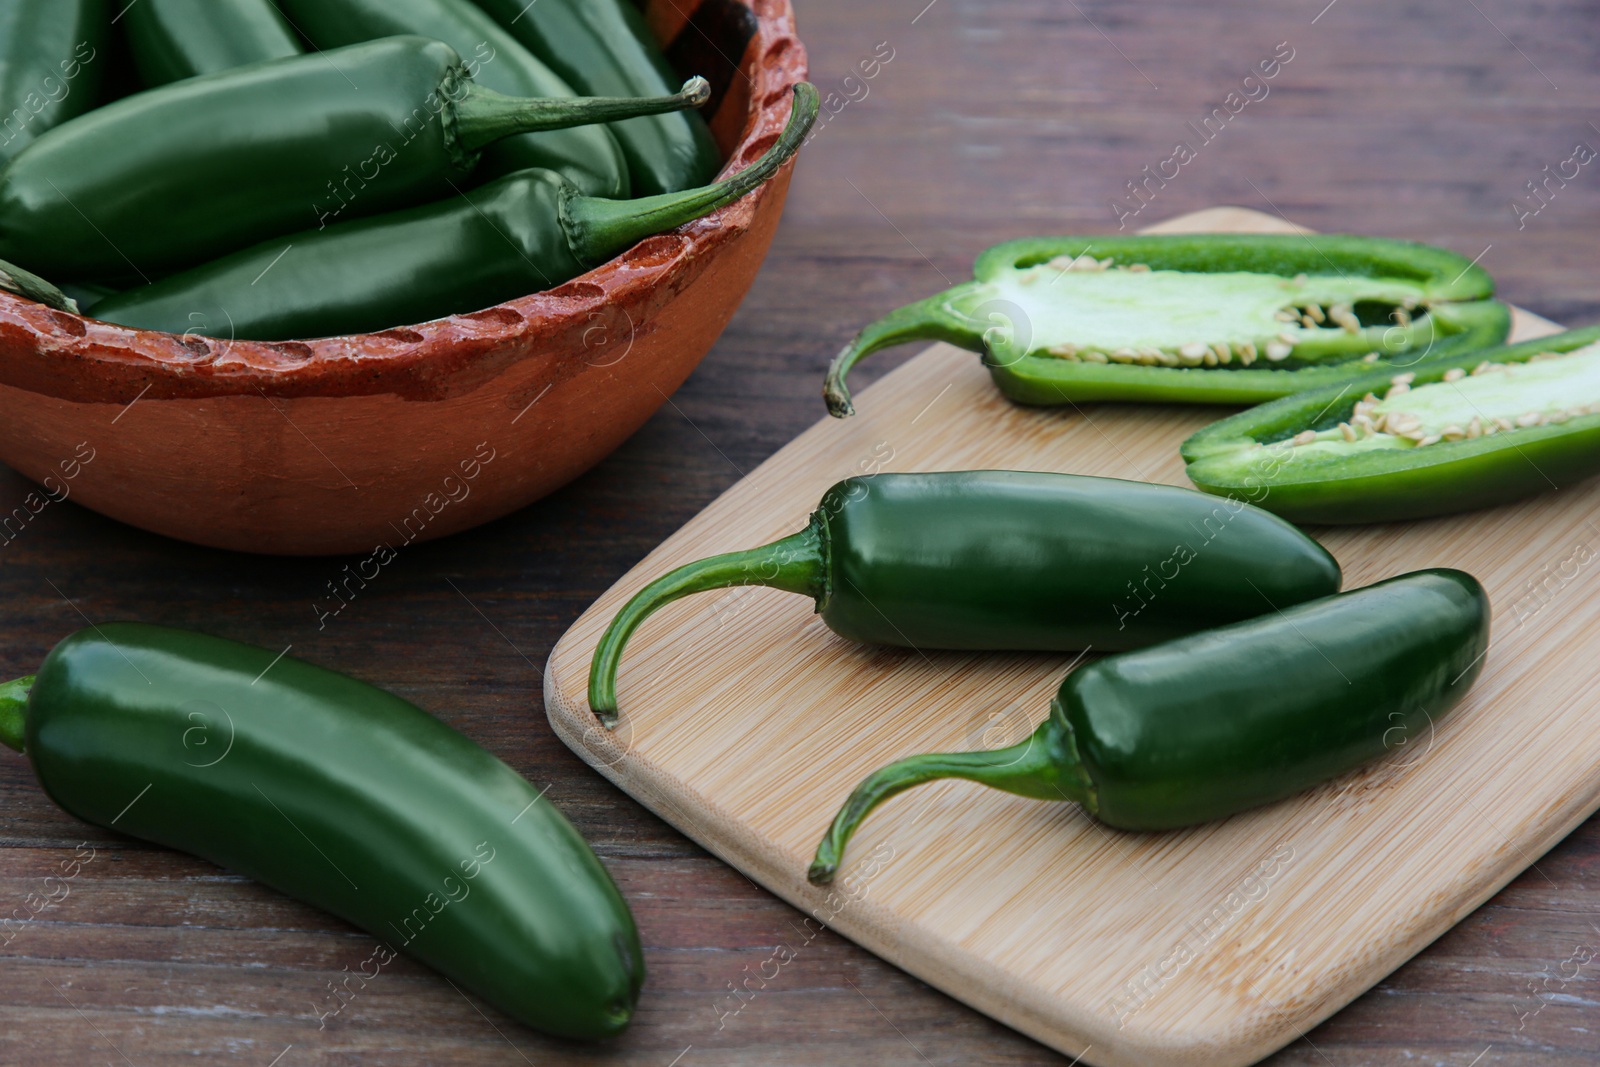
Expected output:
(429, 158)
(356, 165)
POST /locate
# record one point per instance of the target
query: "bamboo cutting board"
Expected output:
(745, 723)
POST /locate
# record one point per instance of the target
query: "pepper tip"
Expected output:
(821, 872)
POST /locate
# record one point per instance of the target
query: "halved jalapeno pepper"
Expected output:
(1450, 435)
(1198, 319)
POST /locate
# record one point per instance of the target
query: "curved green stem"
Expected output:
(599, 229)
(29, 286)
(796, 564)
(484, 116)
(914, 322)
(1045, 767)
(13, 712)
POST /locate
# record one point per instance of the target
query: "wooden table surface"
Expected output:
(993, 119)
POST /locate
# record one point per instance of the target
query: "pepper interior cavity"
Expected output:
(1548, 389)
(1098, 311)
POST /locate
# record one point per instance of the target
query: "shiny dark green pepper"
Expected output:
(522, 234)
(51, 65)
(1226, 720)
(200, 168)
(1194, 319)
(603, 47)
(176, 39)
(1472, 431)
(1013, 560)
(341, 795)
(588, 156)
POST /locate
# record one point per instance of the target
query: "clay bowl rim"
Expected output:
(79, 358)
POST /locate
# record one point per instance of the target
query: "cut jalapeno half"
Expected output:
(1451, 435)
(1205, 319)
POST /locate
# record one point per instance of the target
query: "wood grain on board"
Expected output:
(746, 723)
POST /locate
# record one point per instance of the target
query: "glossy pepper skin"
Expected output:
(588, 156)
(52, 60)
(1249, 456)
(268, 149)
(341, 795)
(176, 39)
(1013, 560)
(522, 234)
(604, 48)
(1019, 306)
(1218, 722)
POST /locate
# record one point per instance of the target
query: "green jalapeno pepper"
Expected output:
(1204, 319)
(176, 39)
(587, 155)
(519, 235)
(1014, 560)
(1218, 722)
(264, 150)
(1476, 430)
(51, 65)
(341, 795)
(603, 47)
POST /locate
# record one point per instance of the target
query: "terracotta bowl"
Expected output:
(345, 444)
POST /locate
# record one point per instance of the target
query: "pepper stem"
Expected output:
(796, 564)
(13, 712)
(30, 286)
(599, 229)
(1045, 767)
(484, 116)
(914, 322)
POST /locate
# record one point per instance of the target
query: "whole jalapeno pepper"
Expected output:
(51, 65)
(1218, 722)
(586, 155)
(176, 39)
(522, 234)
(1476, 430)
(1203, 319)
(265, 150)
(341, 795)
(603, 47)
(1014, 560)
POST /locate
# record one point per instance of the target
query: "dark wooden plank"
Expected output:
(993, 119)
